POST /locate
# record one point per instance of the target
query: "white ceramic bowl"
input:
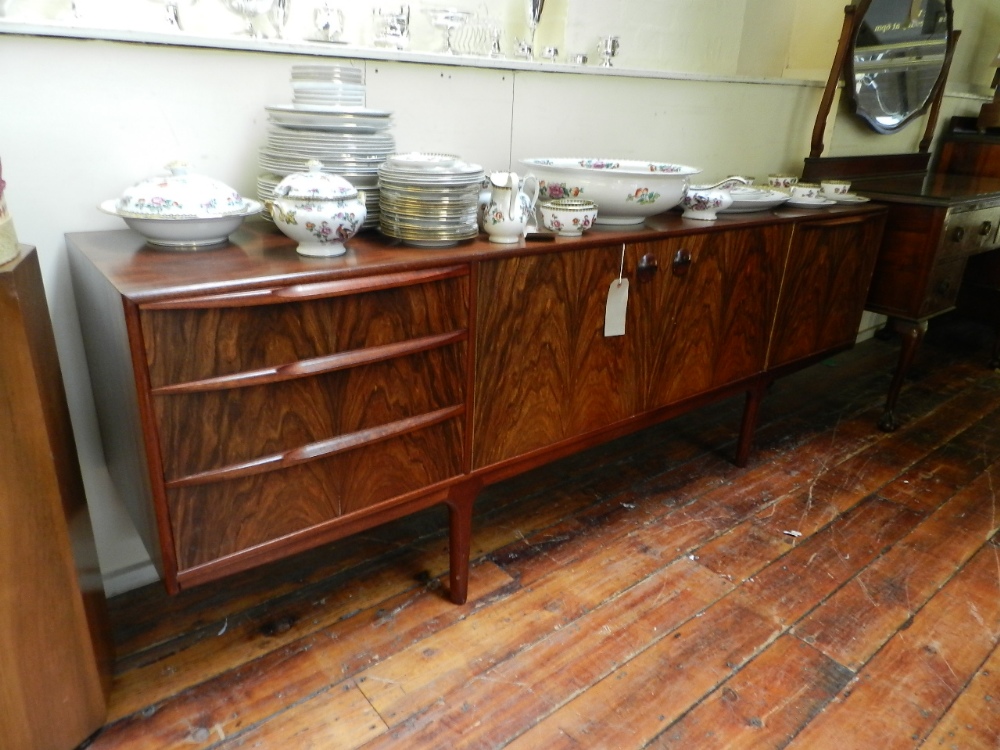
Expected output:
(627, 191)
(568, 217)
(184, 234)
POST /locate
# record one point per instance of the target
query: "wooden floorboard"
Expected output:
(842, 590)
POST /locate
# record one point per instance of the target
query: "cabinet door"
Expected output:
(702, 319)
(826, 282)
(544, 370)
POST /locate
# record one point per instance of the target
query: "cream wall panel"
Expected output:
(721, 127)
(815, 33)
(767, 33)
(680, 35)
(445, 109)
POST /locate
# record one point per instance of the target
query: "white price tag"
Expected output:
(614, 314)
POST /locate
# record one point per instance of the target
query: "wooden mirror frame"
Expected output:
(853, 15)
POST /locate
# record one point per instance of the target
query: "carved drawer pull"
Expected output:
(958, 235)
(648, 265)
(944, 287)
(986, 229)
(318, 450)
(682, 261)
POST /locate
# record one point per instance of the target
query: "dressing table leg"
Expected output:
(460, 500)
(912, 335)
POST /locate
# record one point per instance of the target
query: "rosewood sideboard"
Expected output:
(254, 403)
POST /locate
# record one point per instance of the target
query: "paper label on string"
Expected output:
(614, 314)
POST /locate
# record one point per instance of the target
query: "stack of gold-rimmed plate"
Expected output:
(429, 200)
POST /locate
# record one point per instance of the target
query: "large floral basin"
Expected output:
(625, 191)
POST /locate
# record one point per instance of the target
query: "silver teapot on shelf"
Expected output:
(392, 27)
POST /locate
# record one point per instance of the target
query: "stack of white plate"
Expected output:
(350, 141)
(749, 199)
(327, 86)
(429, 200)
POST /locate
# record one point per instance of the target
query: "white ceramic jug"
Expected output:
(511, 206)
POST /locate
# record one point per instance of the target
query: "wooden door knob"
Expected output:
(682, 261)
(648, 265)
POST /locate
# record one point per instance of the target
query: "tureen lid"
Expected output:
(180, 195)
(315, 184)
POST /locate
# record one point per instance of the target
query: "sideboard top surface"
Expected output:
(258, 255)
(931, 188)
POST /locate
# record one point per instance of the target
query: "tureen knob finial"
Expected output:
(178, 166)
(314, 165)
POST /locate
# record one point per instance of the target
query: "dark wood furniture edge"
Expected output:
(938, 94)
(847, 33)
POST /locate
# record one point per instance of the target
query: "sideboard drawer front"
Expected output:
(942, 289)
(211, 521)
(201, 431)
(969, 232)
(184, 345)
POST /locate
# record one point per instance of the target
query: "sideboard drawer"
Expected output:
(211, 429)
(213, 520)
(969, 232)
(276, 412)
(204, 337)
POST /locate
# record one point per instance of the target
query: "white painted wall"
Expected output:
(81, 119)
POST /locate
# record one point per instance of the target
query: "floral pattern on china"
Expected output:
(643, 196)
(556, 190)
(576, 223)
(180, 195)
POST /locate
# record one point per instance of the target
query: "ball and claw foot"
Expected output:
(888, 422)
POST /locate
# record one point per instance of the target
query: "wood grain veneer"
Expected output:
(823, 280)
(274, 404)
(56, 673)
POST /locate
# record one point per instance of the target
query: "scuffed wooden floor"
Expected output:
(842, 591)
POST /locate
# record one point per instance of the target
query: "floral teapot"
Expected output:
(511, 206)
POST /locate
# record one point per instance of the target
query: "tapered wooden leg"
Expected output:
(460, 500)
(751, 412)
(912, 335)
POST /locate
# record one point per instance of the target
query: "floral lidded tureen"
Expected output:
(182, 210)
(318, 210)
(181, 194)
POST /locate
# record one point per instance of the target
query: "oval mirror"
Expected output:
(897, 58)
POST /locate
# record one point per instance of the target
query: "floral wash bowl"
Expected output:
(627, 191)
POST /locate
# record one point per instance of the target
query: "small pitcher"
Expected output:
(511, 206)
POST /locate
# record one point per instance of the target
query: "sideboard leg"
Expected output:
(912, 333)
(460, 500)
(751, 412)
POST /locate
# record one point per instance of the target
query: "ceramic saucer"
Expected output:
(809, 202)
(850, 198)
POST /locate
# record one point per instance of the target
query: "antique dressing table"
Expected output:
(894, 56)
